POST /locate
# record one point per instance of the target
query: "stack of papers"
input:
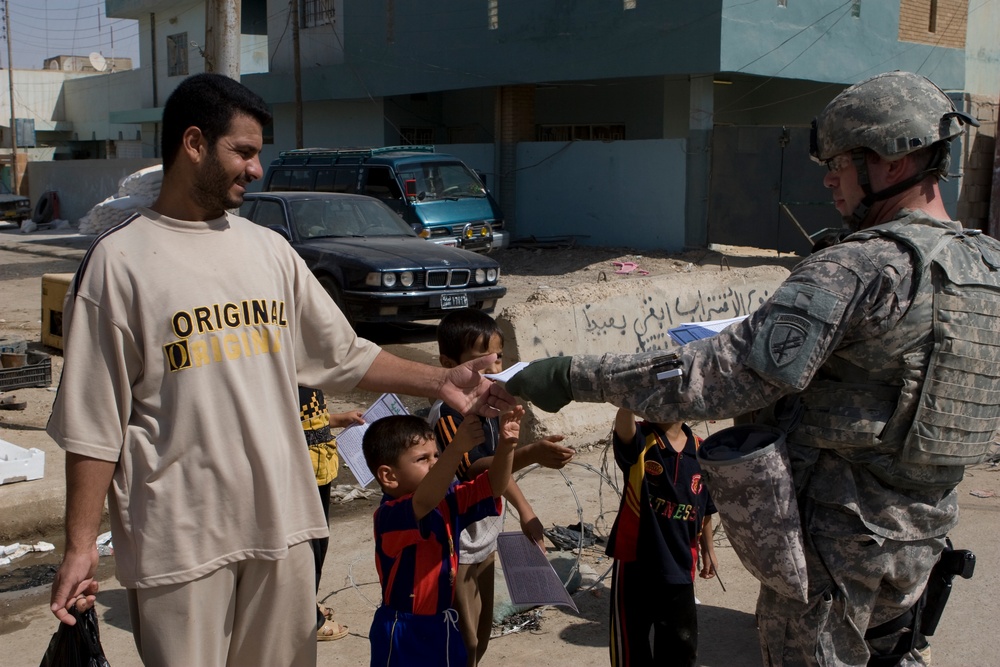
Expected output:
(686, 333)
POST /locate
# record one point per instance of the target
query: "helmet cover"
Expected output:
(892, 114)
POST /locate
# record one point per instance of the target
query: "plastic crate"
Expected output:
(36, 373)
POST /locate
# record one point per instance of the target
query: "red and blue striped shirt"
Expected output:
(417, 561)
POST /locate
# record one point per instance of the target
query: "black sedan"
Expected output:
(372, 263)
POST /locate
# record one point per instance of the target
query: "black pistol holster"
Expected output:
(922, 618)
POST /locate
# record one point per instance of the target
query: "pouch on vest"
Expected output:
(749, 476)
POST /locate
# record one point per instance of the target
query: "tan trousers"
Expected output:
(253, 612)
(474, 603)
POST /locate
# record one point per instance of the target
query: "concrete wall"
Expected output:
(623, 318)
(619, 193)
(80, 183)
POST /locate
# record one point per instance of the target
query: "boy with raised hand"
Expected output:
(416, 529)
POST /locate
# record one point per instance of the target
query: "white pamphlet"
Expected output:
(349, 440)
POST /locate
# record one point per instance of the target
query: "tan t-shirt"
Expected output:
(184, 345)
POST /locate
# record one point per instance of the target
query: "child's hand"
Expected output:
(532, 527)
(345, 419)
(468, 435)
(510, 425)
(709, 564)
(548, 453)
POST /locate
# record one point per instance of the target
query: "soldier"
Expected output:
(881, 348)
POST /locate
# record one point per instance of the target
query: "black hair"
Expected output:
(386, 439)
(461, 330)
(207, 101)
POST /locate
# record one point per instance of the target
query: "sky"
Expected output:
(42, 29)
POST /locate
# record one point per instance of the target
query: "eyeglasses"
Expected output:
(838, 163)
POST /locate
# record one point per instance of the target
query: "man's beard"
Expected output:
(211, 189)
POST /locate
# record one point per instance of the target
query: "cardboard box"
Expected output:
(54, 288)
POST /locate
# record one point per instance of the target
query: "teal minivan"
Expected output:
(437, 194)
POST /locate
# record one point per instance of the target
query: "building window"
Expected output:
(316, 13)
(856, 9)
(604, 132)
(628, 4)
(782, 3)
(932, 19)
(416, 136)
(177, 54)
(493, 13)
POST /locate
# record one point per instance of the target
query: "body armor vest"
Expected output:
(931, 403)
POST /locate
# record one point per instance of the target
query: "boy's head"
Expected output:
(467, 334)
(399, 450)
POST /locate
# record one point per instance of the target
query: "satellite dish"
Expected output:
(98, 61)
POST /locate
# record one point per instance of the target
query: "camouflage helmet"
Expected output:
(892, 114)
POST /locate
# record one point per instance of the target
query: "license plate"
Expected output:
(454, 301)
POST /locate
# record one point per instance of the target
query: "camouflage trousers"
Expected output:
(855, 583)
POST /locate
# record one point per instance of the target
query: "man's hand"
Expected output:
(466, 390)
(74, 585)
(468, 435)
(544, 382)
(548, 453)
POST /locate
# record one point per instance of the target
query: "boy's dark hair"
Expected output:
(461, 330)
(207, 101)
(386, 439)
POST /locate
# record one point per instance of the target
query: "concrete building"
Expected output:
(615, 122)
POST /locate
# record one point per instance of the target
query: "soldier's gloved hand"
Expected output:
(544, 382)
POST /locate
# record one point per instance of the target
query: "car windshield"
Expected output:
(442, 180)
(349, 216)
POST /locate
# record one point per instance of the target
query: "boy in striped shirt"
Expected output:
(417, 526)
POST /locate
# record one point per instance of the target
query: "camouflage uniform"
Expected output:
(849, 334)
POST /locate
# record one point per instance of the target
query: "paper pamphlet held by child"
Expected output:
(692, 331)
(349, 440)
(531, 580)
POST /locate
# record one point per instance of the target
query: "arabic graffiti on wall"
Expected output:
(649, 328)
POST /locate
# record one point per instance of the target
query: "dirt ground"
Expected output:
(585, 490)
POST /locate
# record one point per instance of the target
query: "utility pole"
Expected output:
(297, 71)
(13, 119)
(222, 37)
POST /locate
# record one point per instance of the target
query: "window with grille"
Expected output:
(603, 132)
(177, 54)
(315, 13)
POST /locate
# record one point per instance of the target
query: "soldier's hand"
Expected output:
(544, 382)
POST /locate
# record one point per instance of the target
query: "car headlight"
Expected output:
(492, 274)
(379, 279)
(480, 276)
(406, 278)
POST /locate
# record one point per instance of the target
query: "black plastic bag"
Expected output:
(76, 645)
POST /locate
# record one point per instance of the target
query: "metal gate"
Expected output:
(765, 191)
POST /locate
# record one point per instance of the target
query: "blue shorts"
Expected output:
(399, 639)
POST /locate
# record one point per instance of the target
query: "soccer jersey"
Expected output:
(417, 560)
(669, 500)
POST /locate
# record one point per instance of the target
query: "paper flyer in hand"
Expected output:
(531, 580)
(349, 440)
(508, 373)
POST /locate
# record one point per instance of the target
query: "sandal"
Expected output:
(327, 612)
(330, 631)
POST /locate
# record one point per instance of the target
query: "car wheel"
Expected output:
(337, 294)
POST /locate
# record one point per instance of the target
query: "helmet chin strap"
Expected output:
(859, 216)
